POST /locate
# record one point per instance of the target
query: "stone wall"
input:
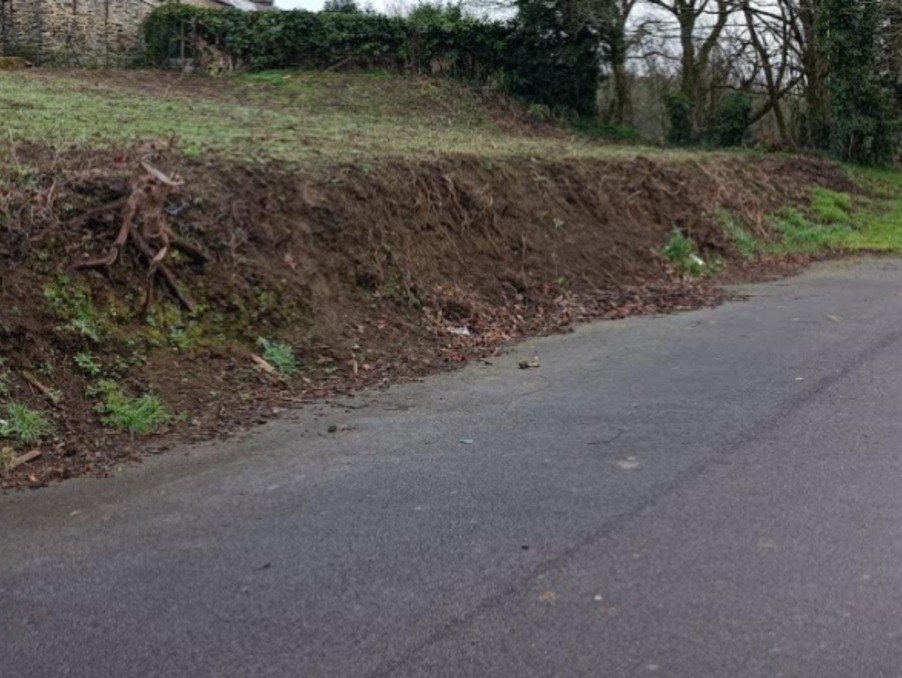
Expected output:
(85, 32)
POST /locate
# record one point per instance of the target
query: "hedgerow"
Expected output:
(529, 57)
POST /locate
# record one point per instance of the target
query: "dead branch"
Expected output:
(24, 459)
(48, 393)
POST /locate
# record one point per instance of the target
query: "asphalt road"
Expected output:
(717, 493)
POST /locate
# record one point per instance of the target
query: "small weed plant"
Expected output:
(73, 303)
(138, 416)
(23, 425)
(88, 364)
(181, 339)
(682, 253)
(280, 356)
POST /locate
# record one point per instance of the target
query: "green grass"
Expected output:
(799, 233)
(832, 221)
(23, 425)
(830, 207)
(877, 224)
(748, 245)
(306, 118)
(138, 416)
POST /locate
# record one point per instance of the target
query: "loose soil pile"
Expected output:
(372, 273)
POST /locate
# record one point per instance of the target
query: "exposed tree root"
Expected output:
(145, 226)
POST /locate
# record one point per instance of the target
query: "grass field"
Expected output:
(301, 117)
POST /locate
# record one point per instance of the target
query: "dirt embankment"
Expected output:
(371, 273)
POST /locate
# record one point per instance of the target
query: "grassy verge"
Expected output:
(876, 226)
(833, 221)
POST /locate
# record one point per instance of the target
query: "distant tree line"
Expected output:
(815, 74)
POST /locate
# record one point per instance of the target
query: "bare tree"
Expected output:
(770, 34)
(612, 17)
(700, 25)
(618, 43)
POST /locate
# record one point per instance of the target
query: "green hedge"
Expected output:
(554, 67)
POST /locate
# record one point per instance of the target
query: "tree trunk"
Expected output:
(621, 103)
(816, 133)
(688, 74)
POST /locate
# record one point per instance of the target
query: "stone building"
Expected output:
(86, 32)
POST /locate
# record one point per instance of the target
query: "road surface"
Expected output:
(712, 494)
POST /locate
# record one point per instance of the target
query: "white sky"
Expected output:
(316, 5)
(300, 4)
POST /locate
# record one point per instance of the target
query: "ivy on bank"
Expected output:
(536, 56)
(865, 124)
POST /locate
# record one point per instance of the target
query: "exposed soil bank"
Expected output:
(372, 273)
